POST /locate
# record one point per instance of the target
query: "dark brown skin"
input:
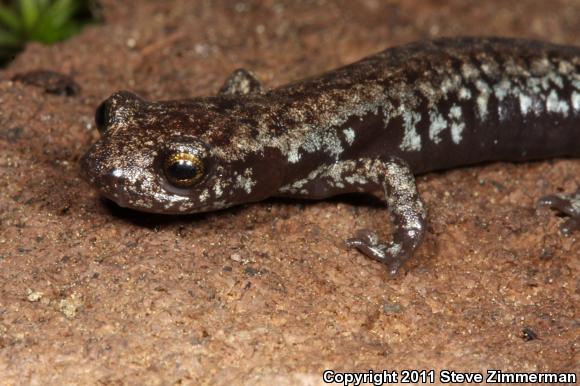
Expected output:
(365, 127)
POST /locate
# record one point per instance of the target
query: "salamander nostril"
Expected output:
(102, 116)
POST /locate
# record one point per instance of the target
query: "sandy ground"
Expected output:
(267, 293)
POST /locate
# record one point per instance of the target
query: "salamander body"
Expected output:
(369, 126)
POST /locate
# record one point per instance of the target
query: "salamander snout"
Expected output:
(109, 181)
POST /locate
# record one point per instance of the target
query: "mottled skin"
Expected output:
(365, 127)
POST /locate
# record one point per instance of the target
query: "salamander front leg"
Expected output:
(241, 82)
(389, 175)
(569, 204)
(408, 214)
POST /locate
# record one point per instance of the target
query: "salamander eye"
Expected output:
(101, 117)
(183, 170)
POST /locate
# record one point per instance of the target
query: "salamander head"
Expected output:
(163, 157)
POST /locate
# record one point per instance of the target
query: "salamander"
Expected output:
(366, 127)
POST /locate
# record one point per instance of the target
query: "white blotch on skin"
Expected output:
(490, 69)
(394, 249)
(576, 101)
(245, 181)
(483, 98)
(299, 184)
(293, 156)
(457, 125)
(513, 68)
(336, 171)
(525, 103)
(541, 66)
(438, 124)
(556, 79)
(143, 204)
(457, 132)
(204, 196)
(217, 189)
(469, 71)
(545, 82)
(411, 138)
(450, 84)
(565, 67)
(427, 89)
(534, 85)
(349, 135)
(556, 105)
(502, 89)
(356, 179)
(464, 93)
(316, 141)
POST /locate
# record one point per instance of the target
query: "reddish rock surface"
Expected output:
(267, 293)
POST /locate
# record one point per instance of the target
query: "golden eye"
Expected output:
(183, 170)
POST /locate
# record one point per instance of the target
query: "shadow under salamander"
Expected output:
(158, 221)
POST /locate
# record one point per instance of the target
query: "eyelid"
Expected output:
(184, 145)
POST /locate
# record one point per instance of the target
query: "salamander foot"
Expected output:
(392, 254)
(568, 204)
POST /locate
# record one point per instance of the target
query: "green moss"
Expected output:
(44, 21)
